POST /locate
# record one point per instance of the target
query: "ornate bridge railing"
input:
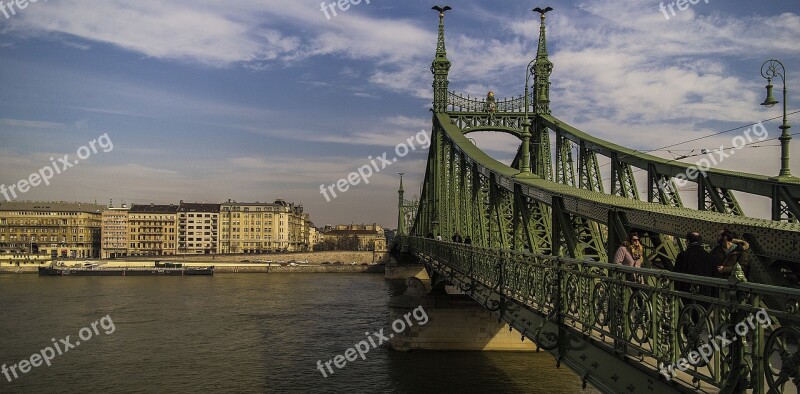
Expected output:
(459, 103)
(685, 332)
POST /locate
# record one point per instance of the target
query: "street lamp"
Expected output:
(525, 160)
(771, 69)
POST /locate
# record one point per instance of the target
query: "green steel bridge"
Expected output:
(543, 228)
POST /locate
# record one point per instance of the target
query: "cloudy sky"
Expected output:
(254, 100)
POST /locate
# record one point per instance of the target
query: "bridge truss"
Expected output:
(542, 230)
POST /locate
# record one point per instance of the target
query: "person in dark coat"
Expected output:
(728, 252)
(695, 260)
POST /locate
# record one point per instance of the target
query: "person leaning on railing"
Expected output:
(623, 255)
(695, 261)
(728, 252)
(630, 253)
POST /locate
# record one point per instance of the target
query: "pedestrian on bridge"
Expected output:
(695, 260)
(456, 237)
(630, 253)
(730, 251)
(637, 250)
(623, 255)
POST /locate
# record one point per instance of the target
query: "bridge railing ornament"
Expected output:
(457, 102)
(658, 318)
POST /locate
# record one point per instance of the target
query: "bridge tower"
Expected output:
(401, 215)
(541, 70)
(440, 67)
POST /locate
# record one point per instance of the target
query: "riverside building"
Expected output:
(262, 227)
(54, 229)
(356, 237)
(114, 232)
(152, 230)
(198, 228)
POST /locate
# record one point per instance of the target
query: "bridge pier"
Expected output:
(455, 322)
(402, 269)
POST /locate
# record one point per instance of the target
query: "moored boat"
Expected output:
(123, 271)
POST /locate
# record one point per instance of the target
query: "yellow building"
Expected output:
(262, 227)
(55, 229)
(356, 237)
(152, 230)
(114, 232)
(311, 234)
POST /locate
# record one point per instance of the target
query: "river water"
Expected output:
(234, 333)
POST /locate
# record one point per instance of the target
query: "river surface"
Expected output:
(234, 333)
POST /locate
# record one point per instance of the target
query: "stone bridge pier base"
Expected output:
(442, 321)
(405, 268)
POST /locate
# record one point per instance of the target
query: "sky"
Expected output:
(256, 100)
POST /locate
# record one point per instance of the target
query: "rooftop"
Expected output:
(153, 208)
(198, 207)
(51, 206)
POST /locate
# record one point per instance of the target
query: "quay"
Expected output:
(309, 262)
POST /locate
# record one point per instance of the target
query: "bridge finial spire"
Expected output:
(401, 216)
(440, 66)
(542, 68)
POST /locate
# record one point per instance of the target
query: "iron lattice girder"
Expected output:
(622, 182)
(469, 122)
(655, 193)
(542, 160)
(533, 228)
(715, 199)
(781, 240)
(731, 180)
(565, 170)
(589, 171)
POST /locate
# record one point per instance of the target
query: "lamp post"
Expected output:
(769, 70)
(525, 160)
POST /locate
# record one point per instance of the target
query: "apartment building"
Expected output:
(153, 230)
(198, 228)
(56, 229)
(262, 227)
(114, 232)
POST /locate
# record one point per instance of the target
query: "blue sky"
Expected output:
(259, 100)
